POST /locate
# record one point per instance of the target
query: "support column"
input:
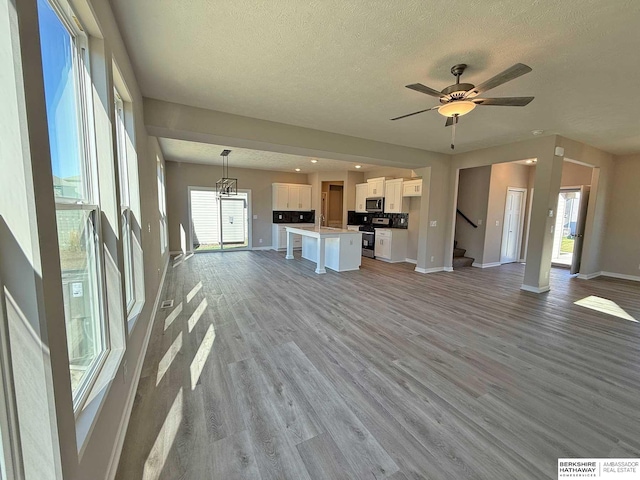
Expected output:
(423, 229)
(289, 245)
(320, 257)
(543, 218)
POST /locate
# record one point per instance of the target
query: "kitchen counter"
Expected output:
(335, 248)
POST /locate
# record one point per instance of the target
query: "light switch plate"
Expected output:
(255, 217)
(433, 223)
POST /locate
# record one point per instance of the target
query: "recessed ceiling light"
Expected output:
(297, 169)
(314, 161)
(537, 132)
(358, 166)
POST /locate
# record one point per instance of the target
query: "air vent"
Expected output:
(167, 304)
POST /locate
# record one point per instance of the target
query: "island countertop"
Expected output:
(317, 231)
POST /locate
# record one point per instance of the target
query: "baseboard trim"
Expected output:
(411, 260)
(486, 265)
(262, 248)
(112, 469)
(621, 276)
(429, 270)
(589, 276)
(529, 288)
(447, 269)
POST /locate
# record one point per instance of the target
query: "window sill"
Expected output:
(135, 312)
(88, 416)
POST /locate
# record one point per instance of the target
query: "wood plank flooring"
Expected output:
(265, 370)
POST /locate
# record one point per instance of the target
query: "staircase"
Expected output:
(459, 260)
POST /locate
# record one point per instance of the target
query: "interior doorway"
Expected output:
(219, 223)
(569, 228)
(332, 204)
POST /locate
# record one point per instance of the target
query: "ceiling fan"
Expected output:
(460, 98)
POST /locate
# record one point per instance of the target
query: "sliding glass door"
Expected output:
(218, 222)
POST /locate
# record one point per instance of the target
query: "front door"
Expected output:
(512, 226)
(580, 226)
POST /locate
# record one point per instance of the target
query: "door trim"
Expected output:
(520, 226)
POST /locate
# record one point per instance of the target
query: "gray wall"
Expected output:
(181, 176)
(575, 175)
(622, 244)
(473, 200)
(28, 234)
(503, 176)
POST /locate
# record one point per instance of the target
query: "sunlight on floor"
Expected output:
(168, 358)
(201, 356)
(164, 440)
(172, 316)
(195, 316)
(180, 259)
(603, 305)
(194, 291)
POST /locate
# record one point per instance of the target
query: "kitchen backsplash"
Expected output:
(294, 217)
(355, 218)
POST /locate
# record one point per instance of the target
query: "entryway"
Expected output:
(218, 222)
(331, 207)
(569, 228)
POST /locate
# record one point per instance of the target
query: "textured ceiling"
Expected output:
(342, 66)
(193, 152)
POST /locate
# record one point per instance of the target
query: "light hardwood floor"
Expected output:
(265, 370)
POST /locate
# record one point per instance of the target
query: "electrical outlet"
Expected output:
(480, 222)
(433, 223)
(260, 240)
(402, 220)
(279, 217)
(433, 258)
(497, 223)
(546, 275)
(551, 228)
(149, 227)
(255, 217)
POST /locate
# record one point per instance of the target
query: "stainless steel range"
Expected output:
(369, 235)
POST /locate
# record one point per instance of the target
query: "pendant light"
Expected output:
(226, 186)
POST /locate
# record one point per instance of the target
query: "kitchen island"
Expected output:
(334, 248)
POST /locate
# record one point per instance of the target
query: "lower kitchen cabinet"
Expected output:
(391, 244)
(279, 235)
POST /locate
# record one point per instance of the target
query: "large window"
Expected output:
(125, 203)
(66, 82)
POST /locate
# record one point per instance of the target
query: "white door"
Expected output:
(233, 221)
(512, 226)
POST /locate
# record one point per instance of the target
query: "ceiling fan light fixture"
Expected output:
(456, 108)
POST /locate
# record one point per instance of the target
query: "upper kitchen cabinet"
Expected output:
(376, 187)
(393, 200)
(291, 197)
(362, 192)
(412, 188)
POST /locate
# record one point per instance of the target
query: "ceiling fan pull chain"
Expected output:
(453, 132)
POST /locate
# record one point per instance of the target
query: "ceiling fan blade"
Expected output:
(516, 71)
(504, 101)
(418, 87)
(415, 113)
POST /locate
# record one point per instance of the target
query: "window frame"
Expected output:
(125, 201)
(90, 202)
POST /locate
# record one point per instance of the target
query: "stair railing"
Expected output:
(466, 218)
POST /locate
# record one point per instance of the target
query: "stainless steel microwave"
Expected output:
(375, 205)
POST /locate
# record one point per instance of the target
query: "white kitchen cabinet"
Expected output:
(412, 188)
(393, 200)
(362, 192)
(305, 198)
(279, 235)
(291, 197)
(391, 244)
(376, 187)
